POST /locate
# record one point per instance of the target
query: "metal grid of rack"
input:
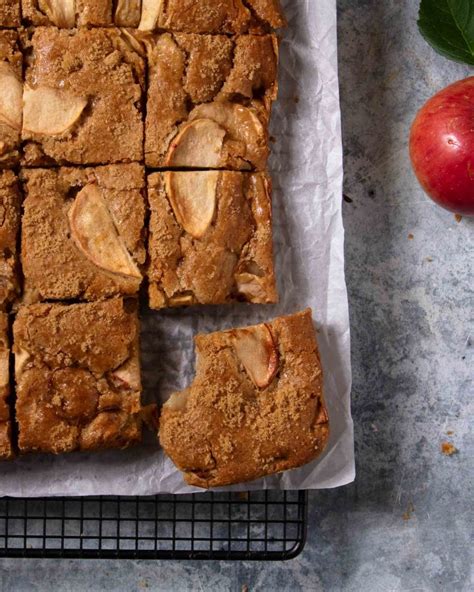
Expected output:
(264, 525)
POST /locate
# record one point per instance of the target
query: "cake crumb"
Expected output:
(245, 588)
(450, 433)
(448, 449)
(409, 511)
(458, 218)
(143, 584)
(411, 236)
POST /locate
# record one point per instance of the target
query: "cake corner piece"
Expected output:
(77, 373)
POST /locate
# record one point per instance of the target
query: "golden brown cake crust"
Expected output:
(6, 448)
(10, 204)
(78, 376)
(220, 16)
(231, 260)
(9, 13)
(95, 13)
(192, 16)
(97, 71)
(224, 429)
(231, 81)
(11, 60)
(54, 266)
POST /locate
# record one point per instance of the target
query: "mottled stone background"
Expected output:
(407, 523)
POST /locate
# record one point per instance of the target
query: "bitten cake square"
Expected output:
(256, 406)
(211, 16)
(210, 238)
(10, 206)
(11, 91)
(209, 100)
(82, 98)
(83, 232)
(6, 448)
(77, 375)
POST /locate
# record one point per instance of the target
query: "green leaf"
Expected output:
(448, 26)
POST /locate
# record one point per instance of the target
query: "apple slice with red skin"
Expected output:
(442, 147)
(255, 347)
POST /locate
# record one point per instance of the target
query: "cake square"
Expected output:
(212, 16)
(210, 238)
(67, 14)
(83, 232)
(6, 448)
(209, 99)
(82, 98)
(11, 90)
(10, 13)
(10, 206)
(77, 373)
(255, 408)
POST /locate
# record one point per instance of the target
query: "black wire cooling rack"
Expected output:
(264, 525)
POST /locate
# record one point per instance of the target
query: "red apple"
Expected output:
(442, 147)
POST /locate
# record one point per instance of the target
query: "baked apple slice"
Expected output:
(193, 198)
(95, 234)
(151, 10)
(245, 134)
(127, 12)
(11, 91)
(127, 377)
(22, 357)
(198, 144)
(256, 349)
(60, 12)
(50, 112)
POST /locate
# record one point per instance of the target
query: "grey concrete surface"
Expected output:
(407, 523)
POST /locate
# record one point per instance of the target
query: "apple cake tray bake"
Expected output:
(139, 134)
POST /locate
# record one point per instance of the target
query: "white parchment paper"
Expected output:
(307, 175)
